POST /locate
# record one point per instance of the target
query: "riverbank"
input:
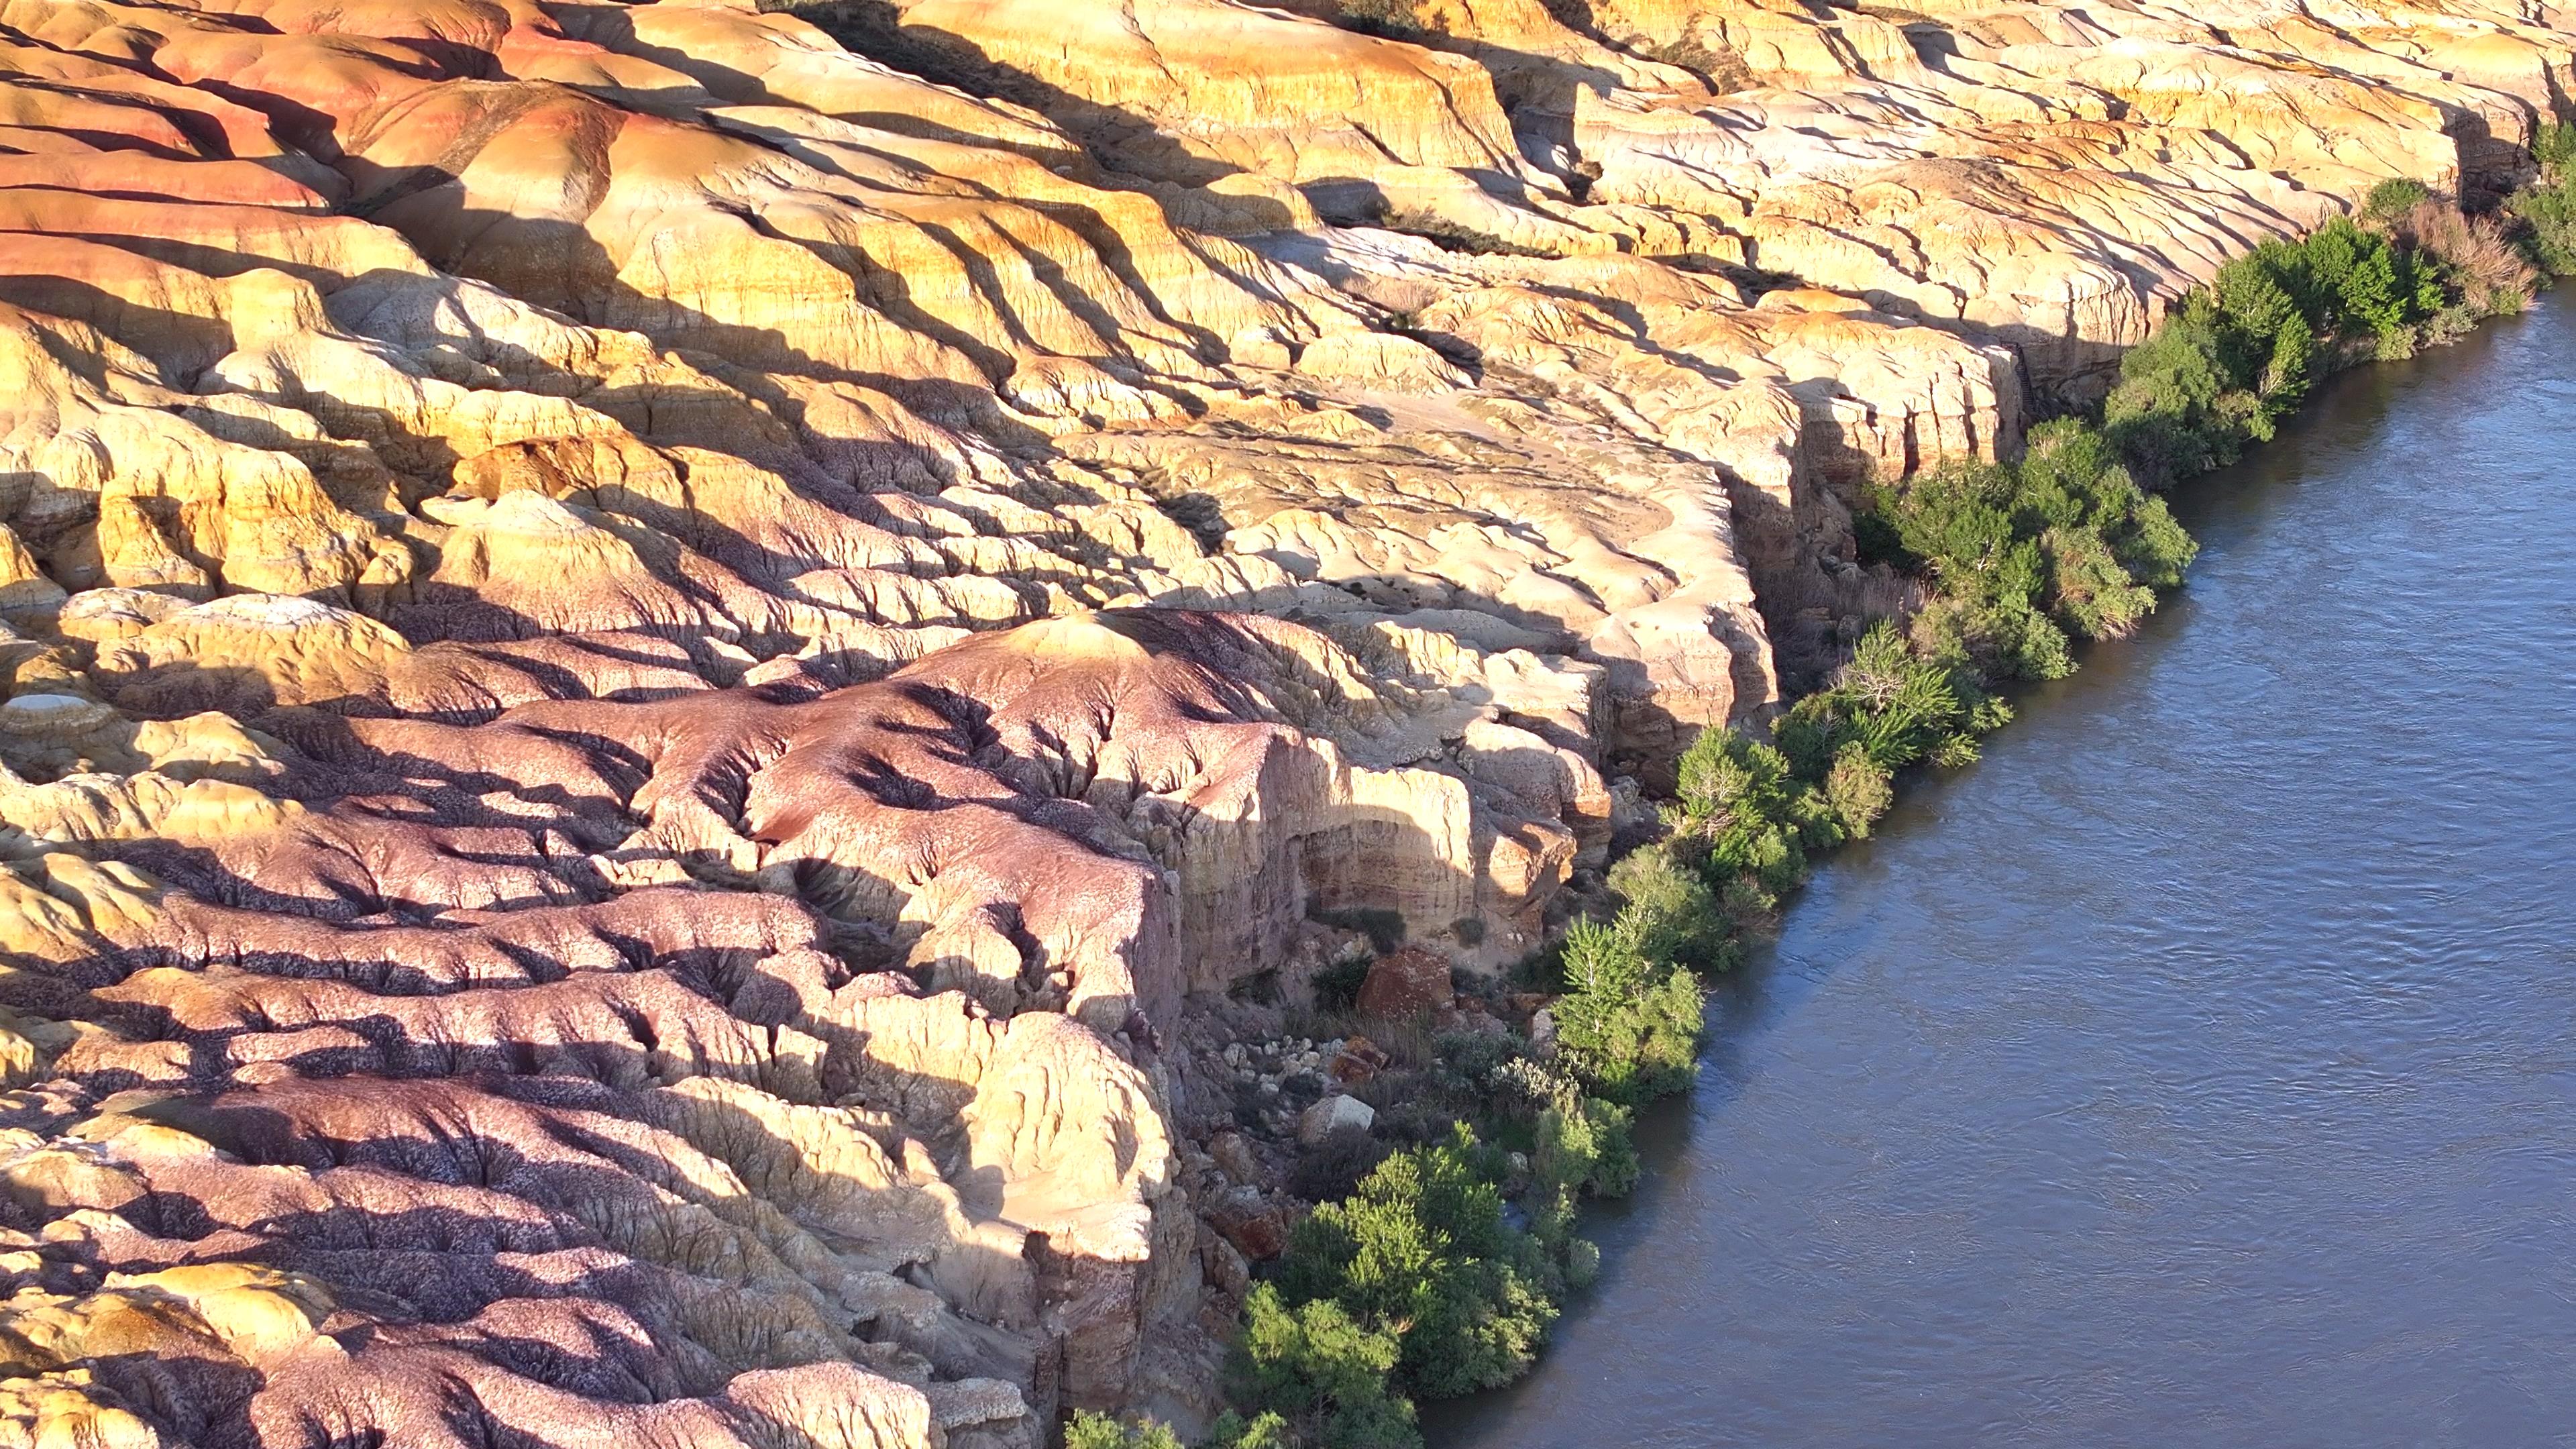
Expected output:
(2015, 558)
(2187, 1072)
(781, 653)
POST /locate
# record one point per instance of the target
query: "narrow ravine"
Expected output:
(2200, 1068)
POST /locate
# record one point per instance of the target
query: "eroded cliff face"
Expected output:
(651, 652)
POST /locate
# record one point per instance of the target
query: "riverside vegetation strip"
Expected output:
(669, 683)
(1420, 1282)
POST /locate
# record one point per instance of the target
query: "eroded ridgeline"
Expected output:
(654, 665)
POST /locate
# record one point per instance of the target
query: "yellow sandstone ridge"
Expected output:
(662, 660)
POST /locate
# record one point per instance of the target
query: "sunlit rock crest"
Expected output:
(653, 648)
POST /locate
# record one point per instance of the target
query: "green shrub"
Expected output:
(2063, 543)
(1088, 1430)
(1897, 705)
(1384, 928)
(1676, 914)
(1392, 18)
(1420, 1250)
(1724, 777)
(1332, 1166)
(1099, 1431)
(1585, 1145)
(1337, 986)
(2176, 410)
(2239, 355)
(2548, 214)
(2394, 198)
(2363, 282)
(1858, 789)
(2553, 146)
(1263, 1431)
(2094, 595)
(1319, 1372)
(2548, 205)
(1474, 1056)
(1743, 805)
(1709, 57)
(1627, 1026)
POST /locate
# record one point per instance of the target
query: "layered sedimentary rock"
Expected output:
(654, 650)
(2048, 174)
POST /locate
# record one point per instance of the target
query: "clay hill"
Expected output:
(657, 655)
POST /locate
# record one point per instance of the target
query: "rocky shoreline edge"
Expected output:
(752, 725)
(1538, 1118)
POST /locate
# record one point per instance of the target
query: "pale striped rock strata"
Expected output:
(651, 661)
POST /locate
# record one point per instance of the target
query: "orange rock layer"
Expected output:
(655, 652)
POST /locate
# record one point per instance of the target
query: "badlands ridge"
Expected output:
(662, 659)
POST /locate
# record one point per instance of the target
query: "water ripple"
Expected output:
(2198, 1069)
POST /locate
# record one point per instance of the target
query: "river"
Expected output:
(2199, 1068)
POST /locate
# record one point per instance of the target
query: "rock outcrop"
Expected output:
(650, 649)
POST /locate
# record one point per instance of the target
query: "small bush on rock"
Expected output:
(1334, 1165)
(1391, 18)
(2394, 198)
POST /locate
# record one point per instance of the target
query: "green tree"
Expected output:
(1675, 916)
(1629, 1028)
(1099, 1431)
(1318, 1371)
(1859, 790)
(1584, 1144)
(1420, 1250)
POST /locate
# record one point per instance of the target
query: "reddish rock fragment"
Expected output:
(1406, 983)
(1358, 1060)
(1250, 1222)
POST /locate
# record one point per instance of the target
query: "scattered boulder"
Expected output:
(1336, 1113)
(1233, 1156)
(1358, 1060)
(1251, 1222)
(1406, 983)
(1224, 1265)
